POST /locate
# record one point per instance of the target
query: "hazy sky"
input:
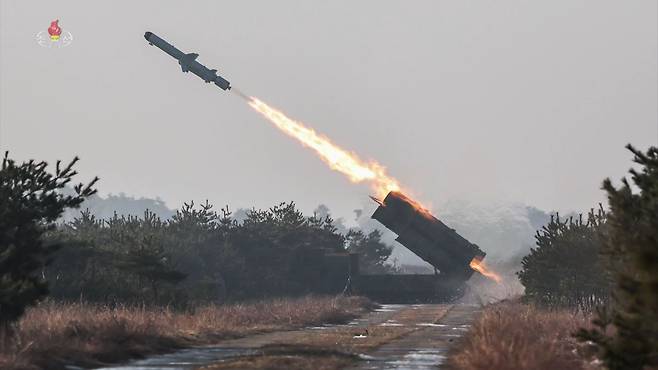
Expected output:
(521, 101)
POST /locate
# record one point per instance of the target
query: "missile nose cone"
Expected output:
(148, 35)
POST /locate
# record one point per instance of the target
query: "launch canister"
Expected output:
(188, 62)
(426, 236)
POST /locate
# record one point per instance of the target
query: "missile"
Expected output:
(188, 62)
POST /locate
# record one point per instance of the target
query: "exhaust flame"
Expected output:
(338, 159)
(479, 266)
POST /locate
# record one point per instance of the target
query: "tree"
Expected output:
(151, 264)
(279, 252)
(145, 255)
(565, 269)
(373, 253)
(194, 249)
(30, 202)
(631, 248)
(78, 267)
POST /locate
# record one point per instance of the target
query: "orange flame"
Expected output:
(478, 265)
(338, 159)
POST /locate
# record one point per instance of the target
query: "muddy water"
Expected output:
(193, 358)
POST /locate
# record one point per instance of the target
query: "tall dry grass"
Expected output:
(512, 335)
(52, 334)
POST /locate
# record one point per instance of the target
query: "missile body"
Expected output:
(188, 62)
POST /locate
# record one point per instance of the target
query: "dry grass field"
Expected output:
(52, 334)
(511, 335)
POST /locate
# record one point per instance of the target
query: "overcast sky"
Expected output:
(522, 101)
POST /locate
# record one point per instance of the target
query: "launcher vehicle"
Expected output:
(430, 239)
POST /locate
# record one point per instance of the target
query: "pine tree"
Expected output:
(565, 268)
(145, 256)
(373, 253)
(30, 202)
(632, 250)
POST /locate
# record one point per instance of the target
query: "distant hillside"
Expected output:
(104, 207)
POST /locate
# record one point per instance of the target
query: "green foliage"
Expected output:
(565, 269)
(30, 202)
(280, 251)
(146, 257)
(198, 255)
(631, 248)
(373, 253)
(124, 258)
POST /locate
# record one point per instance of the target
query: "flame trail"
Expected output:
(338, 159)
(341, 160)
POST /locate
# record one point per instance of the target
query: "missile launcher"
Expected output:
(427, 237)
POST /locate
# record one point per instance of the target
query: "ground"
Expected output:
(403, 336)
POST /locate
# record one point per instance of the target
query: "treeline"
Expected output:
(200, 255)
(607, 264)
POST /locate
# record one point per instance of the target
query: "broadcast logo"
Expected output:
(54, 36)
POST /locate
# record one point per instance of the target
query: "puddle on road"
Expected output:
(431, 325)
(185, 359)
(418, 360)
(391, 323)
(390, 308)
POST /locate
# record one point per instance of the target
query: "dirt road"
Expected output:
(392, 337)
(425, 348)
